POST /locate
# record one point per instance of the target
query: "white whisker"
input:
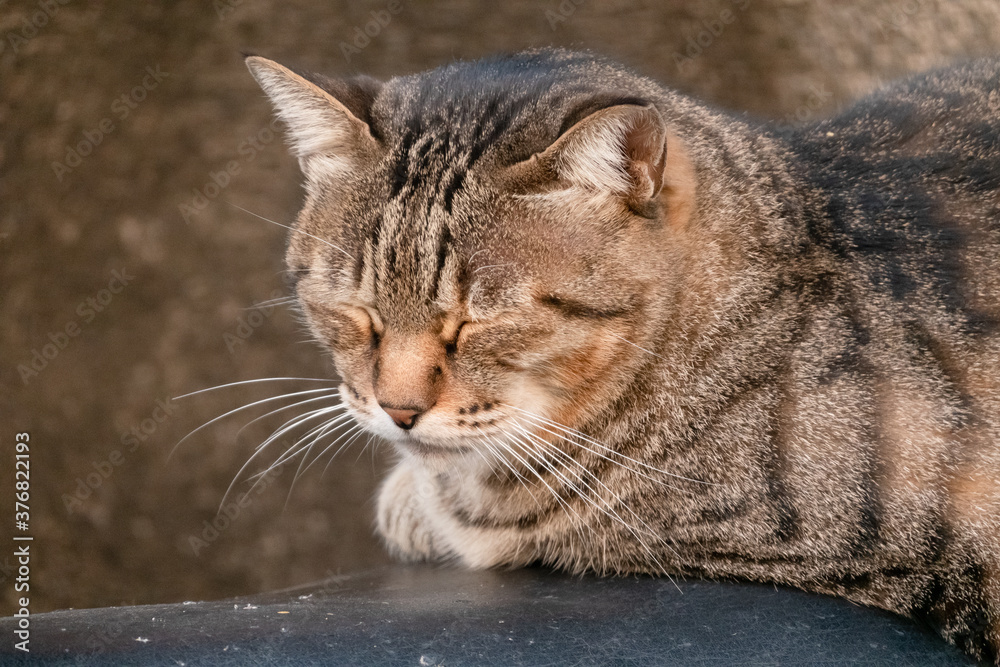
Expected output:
(609, 511)
(580, 445)
(317, 431)
(302, 464)
(240, 409)
(601, 445)
(530, 452)
(639, 347)
(360, 432)
(297, 231)
(260, 448)
(518, 476)
(233, 384)
(272, 302)
(335, 394)
(607, 508)
(558, 498)
(491, 266)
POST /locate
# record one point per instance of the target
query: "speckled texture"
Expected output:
(164, 333)
(429, 616)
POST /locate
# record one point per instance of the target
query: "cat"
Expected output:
(610, 329)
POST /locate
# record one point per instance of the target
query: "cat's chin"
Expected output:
(413, 445)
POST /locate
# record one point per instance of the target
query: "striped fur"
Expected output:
(645, 336)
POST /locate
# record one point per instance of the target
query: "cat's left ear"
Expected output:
(328, 125)
(621, 150)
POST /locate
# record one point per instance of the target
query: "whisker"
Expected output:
(335, 394)
(520, 478)
(609, 459)
(260, 448)
(302, 464)
(492, 266)
(309, 269)
(317, 431)
(272, 302)
(233, 384)
(298, 231)
(584, 437)
(361, 432)
(473, 255)
(558, 498)
(240, 409)
(528, 450)
(294, 422)
(609, 511)
(639, 347)
(549, 465)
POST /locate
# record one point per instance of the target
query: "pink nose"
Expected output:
(405, 419)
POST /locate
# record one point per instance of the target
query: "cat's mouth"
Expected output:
(428, 440)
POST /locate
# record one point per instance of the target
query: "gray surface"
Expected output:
(429, 616)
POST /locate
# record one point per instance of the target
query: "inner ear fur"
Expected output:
(624, 150)
(328, 136)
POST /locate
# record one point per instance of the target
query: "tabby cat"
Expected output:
(609, 329)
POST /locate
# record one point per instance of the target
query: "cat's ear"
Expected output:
(621, 150)
(329, 131)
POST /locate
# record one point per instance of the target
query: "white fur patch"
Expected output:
(596, 159)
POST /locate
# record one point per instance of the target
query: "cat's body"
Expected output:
(693, 345)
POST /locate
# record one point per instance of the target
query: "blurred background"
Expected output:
(130, 132)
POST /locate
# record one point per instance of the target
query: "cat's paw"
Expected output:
(401, 515)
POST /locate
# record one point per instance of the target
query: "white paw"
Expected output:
(403, 516)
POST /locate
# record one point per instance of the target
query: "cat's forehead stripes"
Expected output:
(442, 133)
(409, 269)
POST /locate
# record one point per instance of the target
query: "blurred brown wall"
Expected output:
(169, 321)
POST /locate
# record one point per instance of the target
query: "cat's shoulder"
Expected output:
(959, 94)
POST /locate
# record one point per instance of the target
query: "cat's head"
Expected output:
(482, 246)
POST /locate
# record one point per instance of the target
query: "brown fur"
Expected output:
(645, 337)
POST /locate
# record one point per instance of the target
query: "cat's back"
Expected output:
(905, 186)
(902, 194)
(933, 123)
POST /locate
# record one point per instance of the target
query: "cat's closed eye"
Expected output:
(375, 327)
(451, 344)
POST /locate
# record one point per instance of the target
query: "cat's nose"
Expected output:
(405, 418)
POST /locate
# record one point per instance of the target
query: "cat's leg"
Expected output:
(402, 515)
(417, 526)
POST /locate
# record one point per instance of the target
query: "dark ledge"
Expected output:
(432, 616)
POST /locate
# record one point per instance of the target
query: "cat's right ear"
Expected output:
(329, 134)
(624, 151)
